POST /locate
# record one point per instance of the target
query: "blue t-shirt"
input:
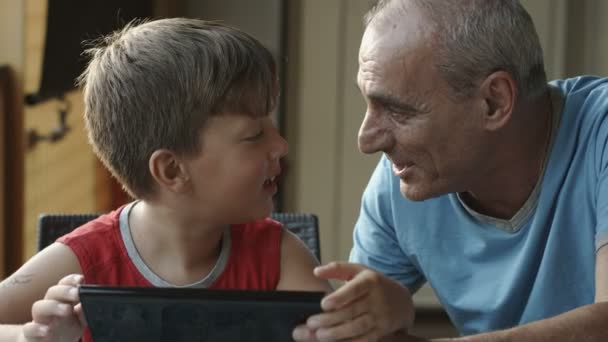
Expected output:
(489, 273)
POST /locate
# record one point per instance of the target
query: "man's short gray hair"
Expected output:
(153, 85)
(478, 37)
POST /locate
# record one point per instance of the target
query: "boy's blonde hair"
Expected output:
(154, 84)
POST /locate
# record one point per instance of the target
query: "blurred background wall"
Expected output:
(316, 42)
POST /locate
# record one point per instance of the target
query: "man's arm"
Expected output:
(585, 324)
(588, 323)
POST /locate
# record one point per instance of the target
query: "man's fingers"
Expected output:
(338, 270)
(358, 287)
(44, 311)
(361, 328)
(329, 319)
(302, 334)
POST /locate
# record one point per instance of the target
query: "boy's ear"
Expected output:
(499, 92)
(168, 171)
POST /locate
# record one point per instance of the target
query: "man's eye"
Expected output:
(397, 113)
(396, 110)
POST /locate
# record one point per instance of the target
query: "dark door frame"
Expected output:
(11, 113)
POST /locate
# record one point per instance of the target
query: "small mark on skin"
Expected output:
(16, 280)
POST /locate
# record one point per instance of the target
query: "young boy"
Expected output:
(177, 109)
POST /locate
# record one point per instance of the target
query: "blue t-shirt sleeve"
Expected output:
(375, 242)
(598, 102)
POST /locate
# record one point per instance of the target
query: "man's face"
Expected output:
(436, 144)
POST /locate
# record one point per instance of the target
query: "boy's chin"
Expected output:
(255, 215)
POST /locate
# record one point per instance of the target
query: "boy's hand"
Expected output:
(368, 307)
(58, 317)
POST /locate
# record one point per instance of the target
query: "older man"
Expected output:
(493, 185)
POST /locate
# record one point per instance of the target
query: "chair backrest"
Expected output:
(53, 226)
(304, 226)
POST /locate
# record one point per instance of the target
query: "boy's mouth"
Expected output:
(269, 181)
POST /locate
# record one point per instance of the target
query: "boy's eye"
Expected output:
(256, 136)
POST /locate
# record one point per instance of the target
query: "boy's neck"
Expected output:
(179, 248)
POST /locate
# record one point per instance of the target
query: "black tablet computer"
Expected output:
(124, 314)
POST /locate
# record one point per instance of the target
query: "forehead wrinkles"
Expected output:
(381, 75)
(394, 81)
(369, 70)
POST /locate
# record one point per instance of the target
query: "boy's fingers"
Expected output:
(35, 331)
(72, 279)
(63, 293)
(44, 311)
(338, 270)
(80, 314)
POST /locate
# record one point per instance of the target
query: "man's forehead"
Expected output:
(396, 28)
(383, 62)
(387, 88)
(400, 77)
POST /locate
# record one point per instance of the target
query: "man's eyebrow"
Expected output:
(393, 101)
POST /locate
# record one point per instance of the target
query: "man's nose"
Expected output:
(373, 136)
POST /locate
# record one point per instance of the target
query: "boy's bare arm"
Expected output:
(11, 333)
(297, 264)
(30, 283)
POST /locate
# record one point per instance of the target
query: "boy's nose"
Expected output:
(280, 147)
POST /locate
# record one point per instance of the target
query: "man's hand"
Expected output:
(58, 317)
(367, 307)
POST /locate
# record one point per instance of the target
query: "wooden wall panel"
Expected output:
(312, 109)
(11, 53)
(3, 162)
(59, 177)
(63, 176)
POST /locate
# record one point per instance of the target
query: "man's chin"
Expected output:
(415, 192)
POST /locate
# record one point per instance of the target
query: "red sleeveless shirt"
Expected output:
(253, 262)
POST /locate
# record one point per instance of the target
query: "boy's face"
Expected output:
(233, 176)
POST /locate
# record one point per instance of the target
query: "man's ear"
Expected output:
(168, 171)
(500, 92)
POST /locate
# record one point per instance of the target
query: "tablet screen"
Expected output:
(121, 314)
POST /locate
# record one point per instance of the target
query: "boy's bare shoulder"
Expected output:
(30, 282)
(297, 264)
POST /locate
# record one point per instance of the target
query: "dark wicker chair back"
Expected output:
(53, 226)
